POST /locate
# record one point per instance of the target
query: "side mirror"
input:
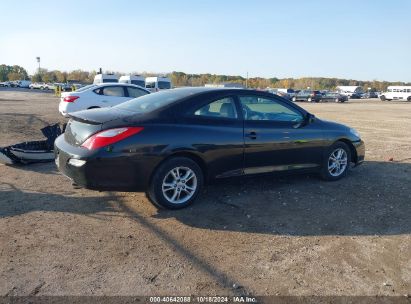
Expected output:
(310, 117)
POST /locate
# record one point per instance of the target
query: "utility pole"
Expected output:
(38, 60)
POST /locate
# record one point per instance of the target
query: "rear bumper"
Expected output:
(104, 170)
(63, 108)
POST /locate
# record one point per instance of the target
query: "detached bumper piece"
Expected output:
(32, 151)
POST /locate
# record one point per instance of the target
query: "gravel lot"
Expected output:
(261, 235)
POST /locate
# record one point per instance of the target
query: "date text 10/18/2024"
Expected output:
(203, 299)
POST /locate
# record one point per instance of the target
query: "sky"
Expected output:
(363, 40)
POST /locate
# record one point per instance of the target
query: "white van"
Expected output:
(397, 93)
(103, 78)
(349, 91)
(155, 84)
(23, 83)
(133, 79)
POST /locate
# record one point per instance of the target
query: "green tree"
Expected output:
(15, 72)
(13, 76)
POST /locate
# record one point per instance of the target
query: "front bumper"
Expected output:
(360, 152)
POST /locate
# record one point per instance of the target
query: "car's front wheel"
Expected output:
(336, 162)
(176, 183)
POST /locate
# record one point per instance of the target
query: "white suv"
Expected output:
(98, 96)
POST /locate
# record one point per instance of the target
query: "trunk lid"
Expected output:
(83, 124)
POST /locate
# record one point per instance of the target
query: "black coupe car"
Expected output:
(333, 96)
(308, 95)
(171, 143)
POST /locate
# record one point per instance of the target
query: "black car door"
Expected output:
(328, 97)
(214, 128)
(277, 136)
(304, 95)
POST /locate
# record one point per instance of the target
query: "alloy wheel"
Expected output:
(179, 185)
(337, 162)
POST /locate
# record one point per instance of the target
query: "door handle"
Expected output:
(252, 135)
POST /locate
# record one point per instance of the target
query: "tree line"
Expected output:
(315, 83)
(180, 79)
(12, 72)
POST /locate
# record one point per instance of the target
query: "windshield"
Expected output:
(109, 80)
(152, 102)
(164, 85)
(160, 84)
(140, 83)
(150, 85)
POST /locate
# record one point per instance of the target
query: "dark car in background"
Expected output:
(334, 96)
(355, 96)
(308, 95)
(369, 95)
(171, 143)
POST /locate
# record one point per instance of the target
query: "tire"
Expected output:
(409, 98)
(167, 184)
(329, 172)
(382, 97)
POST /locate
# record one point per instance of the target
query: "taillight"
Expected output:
(70, 98)
(109, 137)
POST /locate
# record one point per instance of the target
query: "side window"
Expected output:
(116, 91)
(134, 92)
(261, 108)
(223, 108)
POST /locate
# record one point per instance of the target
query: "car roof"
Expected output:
(118, 84)
(192, 92)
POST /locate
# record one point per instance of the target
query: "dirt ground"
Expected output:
(260, 235)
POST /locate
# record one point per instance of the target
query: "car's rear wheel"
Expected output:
(176, 183)
(382, 97)
(336, 162)
(409, 98)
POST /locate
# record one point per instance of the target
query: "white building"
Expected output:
(225, 85)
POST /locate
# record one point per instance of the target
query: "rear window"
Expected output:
(110, 80)
(152, 102)
(90, 86)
